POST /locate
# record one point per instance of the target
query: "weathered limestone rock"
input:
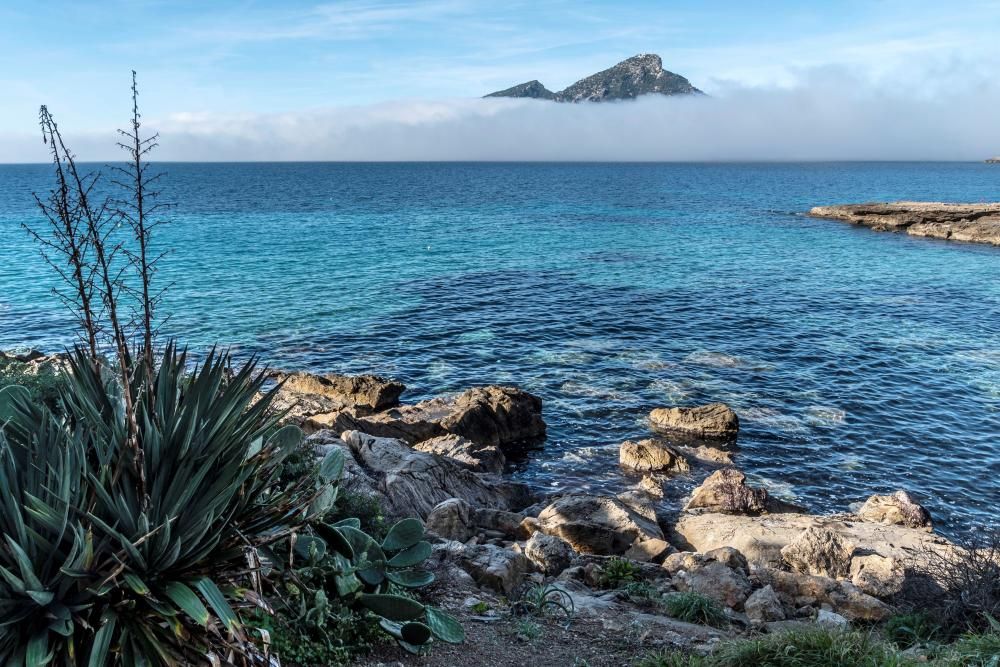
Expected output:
(877, 576)
(761, 538)
(899, 509)
(495, 567)
(831, 619)
(651, 486)
(805, 590)
(764, 606)
(451, 520)
(596, 524)
(499, 521)
(499, 416)
(718, 575)
(549, 553)
(473, 455)
(727, 491)
(651, 456)
(648, 551)
(975, 223)
(414, 482)
(820, 551)
(715, 421)
(365, 391)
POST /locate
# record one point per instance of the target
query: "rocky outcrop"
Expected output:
(473, 455)
(530, 89)
(797, 590)
(451, 520)
(639, 75)
(715, 421)
(364, 391)
(877, 576)
(413, 482)
(498, 416)
(651, 456)
(897, 509)
(727, 491)
(597, 524)
(494, 567)
(974, 223)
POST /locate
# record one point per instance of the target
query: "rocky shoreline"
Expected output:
(972, 223)
(771, 566)
(768, 565)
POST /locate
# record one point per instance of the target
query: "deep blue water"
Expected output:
(859, 362)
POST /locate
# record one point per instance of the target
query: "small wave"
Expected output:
(773, 419)
(674, 391)
(823, 415)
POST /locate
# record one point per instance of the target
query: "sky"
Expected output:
(243, 80)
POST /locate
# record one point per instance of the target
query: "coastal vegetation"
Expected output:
(148, 514)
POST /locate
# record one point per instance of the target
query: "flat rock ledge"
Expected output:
(972, 223)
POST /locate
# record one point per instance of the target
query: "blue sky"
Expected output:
(243, 56)
(269, 68)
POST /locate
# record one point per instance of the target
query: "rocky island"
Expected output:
(973, 223)
(639, 75)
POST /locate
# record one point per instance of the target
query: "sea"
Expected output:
(859, 362)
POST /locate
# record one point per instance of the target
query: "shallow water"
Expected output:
(859, 362)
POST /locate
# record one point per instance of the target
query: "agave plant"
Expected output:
(369, 576)
(128, 550)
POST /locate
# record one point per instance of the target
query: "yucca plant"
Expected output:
(93, 571)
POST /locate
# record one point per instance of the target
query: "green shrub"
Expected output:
(619, 571)
(671, 659)
(814, 647)
(692, 607)
(906, 630)
(643, 594)
(973, 650)
(538, 600)
(124, 552)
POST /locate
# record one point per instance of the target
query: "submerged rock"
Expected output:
(715, 421)
(597, 524)
(897, 509)
(727, 491)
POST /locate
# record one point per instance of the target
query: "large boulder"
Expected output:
(715, 421)
(549, 553)
(499, 416)
(651, 456)
(473, 455)
(727, 491)
(355, 480)
(414, 482)
(364, 391)
(820, 550)
(597, 524)
(897, 509)
(720, 575)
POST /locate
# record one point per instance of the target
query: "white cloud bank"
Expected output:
(827, 117)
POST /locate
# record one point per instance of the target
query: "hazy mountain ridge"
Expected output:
(639, 75)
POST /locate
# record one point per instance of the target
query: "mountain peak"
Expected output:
(641, 74)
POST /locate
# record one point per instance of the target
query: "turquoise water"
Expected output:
(859, 362)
